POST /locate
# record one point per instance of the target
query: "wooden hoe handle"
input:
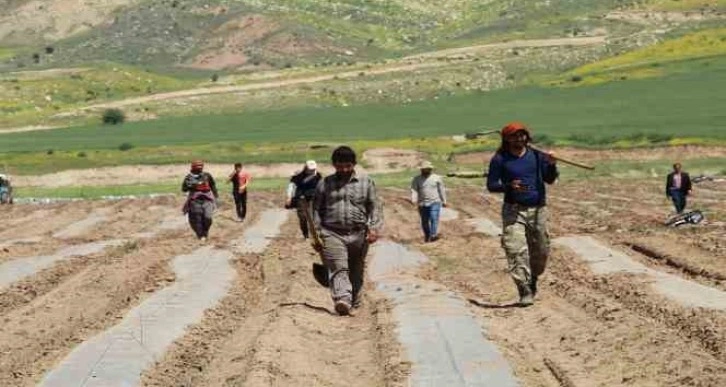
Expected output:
(566, 161)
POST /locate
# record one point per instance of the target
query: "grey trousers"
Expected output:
(344, 255)
(200, 216)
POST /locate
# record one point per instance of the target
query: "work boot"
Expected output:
(533, 285)
(342, 307)
(526, 298)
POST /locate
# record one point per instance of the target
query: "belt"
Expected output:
(522, 206)
(347, 230)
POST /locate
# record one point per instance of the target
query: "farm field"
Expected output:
(103, 104)
(586, 324)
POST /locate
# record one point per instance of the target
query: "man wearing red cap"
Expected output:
(521, 173)
(201, 199)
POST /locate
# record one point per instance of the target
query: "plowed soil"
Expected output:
(276, 325)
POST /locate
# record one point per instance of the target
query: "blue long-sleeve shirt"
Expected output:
(505, 167)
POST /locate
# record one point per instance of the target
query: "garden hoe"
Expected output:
(320, 272)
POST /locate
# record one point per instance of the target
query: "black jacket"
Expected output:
(685, 183)
(305, 185)
(199, 182)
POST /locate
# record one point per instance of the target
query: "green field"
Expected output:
(681, 105)
(620, 169)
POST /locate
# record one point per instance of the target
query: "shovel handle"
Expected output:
(566, 161)
(311, 224)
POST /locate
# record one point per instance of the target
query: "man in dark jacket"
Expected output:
(201, 199)
(301, 191)
(521, 173)
(678, 186)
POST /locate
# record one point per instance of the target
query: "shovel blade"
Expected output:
(320, 273)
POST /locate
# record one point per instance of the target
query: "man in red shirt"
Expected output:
(240, 179)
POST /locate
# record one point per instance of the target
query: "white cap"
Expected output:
(311, 164)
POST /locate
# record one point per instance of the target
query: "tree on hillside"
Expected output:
(113, 117)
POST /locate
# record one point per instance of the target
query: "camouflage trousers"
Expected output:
(525, 240)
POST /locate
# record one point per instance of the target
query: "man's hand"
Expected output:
(288, 202)
(444, 205)
(517, 186)
(372, 236)
(317, 246)
(550, 157)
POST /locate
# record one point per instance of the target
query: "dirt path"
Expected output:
(581, 41)
(46, 315)
(377, 160)
(274, 327)
(353, 74)
(594, 331)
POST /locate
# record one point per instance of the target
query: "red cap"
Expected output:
(514, 127)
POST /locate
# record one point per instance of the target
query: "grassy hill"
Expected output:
(254, 34)
(687, 104)
(655, 77)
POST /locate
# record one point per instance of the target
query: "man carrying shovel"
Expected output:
(521, 172)
(348, 214)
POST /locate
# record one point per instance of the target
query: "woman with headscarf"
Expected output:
(201, 199)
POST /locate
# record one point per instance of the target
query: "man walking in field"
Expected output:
(521, 173)
(428, 192)
(678, 187)
(240, 179)
(301, 191)
(201, 199)
(348, 214)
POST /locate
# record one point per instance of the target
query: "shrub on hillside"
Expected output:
(113, 117)
(126, 146)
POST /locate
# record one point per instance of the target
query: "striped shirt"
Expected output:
(347, 205)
